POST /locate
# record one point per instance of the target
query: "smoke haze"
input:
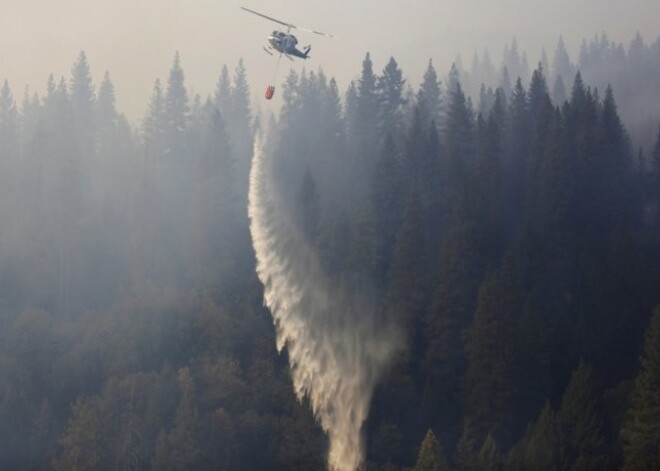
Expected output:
(397, 276)
(136, 40)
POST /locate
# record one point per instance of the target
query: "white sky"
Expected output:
(136, 39)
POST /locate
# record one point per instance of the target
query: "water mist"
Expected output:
(337, 349)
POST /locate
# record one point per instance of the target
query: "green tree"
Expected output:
(655, 177)
(429, 96)
(82, 105)
(581, 423)
(215, 211)
(81, 442)
(9, 125)
(176, 111)
(515, 160)
(561, 63)
(466, 456)
(368, 141)
(539, 448)
(490, 385)
(389, 86)
(387, 187)
(430, 457)
(640, 433)
(179, 448)
(489, 458)
(9, 146)
(154, 128)
(238, 118)
(408, 275)
(222, 97)
(459, 154)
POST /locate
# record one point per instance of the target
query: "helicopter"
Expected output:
(285, 43)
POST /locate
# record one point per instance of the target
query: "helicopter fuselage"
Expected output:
(285, 43)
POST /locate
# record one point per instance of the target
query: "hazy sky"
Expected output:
(136, 39)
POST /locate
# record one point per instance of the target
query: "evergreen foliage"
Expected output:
(430, 456)
(506, 243)
(641, 429)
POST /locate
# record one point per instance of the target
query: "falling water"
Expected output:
(337, 350)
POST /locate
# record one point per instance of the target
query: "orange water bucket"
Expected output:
(270, 91)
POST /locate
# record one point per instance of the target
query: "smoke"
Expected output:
(337, 348)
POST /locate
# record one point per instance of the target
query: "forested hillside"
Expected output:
(511, 230)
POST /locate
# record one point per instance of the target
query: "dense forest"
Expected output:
(507, 221)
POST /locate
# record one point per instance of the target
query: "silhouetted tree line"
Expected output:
(516, 243)
(633, 71)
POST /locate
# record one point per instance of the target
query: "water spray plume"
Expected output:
(337, 346)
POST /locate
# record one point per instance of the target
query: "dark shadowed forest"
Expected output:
(507, 217)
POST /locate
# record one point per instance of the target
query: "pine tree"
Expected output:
(291, 101)
(82, 104)
(581, 423)
(453, 81)
(363, 258)
(408, 275)
(238, 118)
(154, 128)
(539, 448)
(389, 88)
(541, 114)
(489, 458)
(490, 386)
(351, 116)
(387, 186)
(460, 155)
(429, 97)
(367, 93)
(9, 130)
(114, 145)
(488, 73)
(516, 160)
(538, 94)
(222, 96)
(416, 147)
(182, 450)
(82, 447)
(641, 430)
(559, 91)
(216, 207)
(655, 178)
(430, 457)
(366, 126)
(176, 112)
(561, 64)
(105, 104)
(616, 158)
(489, 174)
(466, 456)
(516, 63)
(505, 84)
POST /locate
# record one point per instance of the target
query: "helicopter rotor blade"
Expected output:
(315, 32)
(288, 25)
